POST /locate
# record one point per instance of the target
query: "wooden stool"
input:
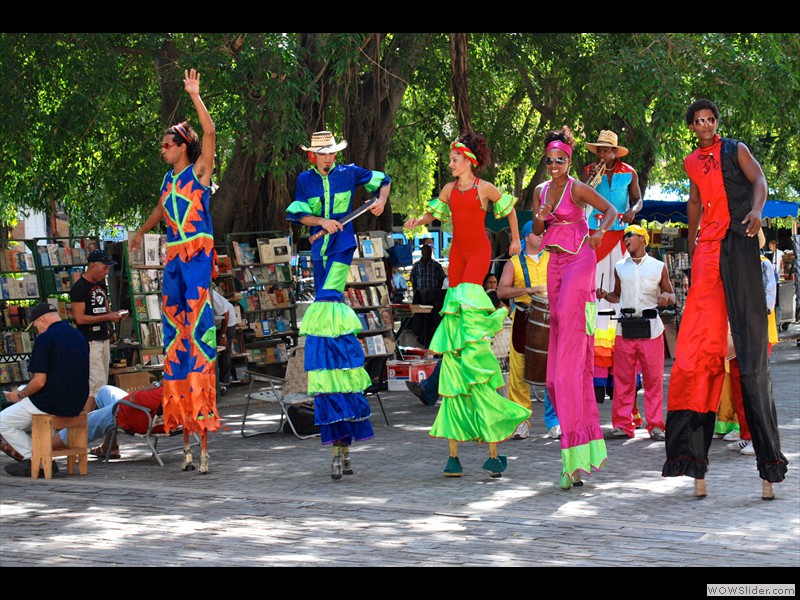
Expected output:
(43, 453)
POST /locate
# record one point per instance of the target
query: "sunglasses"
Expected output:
(629, 234)
(168, 145)
(710, 121)
(559, 160)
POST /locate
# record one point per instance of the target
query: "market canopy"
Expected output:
(675, 210)
(662, 211)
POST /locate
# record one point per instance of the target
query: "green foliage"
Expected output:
(81, 114)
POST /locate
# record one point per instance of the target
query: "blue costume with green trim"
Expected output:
(334, 358)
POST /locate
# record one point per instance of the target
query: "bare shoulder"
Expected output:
(488, 190)
(444, 195)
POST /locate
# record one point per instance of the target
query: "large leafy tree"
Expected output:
(81, 115)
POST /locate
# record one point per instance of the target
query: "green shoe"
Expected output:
(496, 466)
(566, 481)
(453, 468)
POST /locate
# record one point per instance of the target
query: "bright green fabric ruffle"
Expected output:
(504, 205)
(725, 427)
(468, 316)
(338, 381)
(585, 457)
(439, 209)
(329, 319)
(471, 408)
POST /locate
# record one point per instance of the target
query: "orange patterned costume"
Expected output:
(190, 345)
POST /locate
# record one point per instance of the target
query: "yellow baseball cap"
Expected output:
(639, 230)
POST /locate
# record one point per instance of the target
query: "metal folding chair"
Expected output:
(377, 372)
(149, 436)
(285, 391)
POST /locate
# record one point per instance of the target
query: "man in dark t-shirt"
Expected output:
(59, 385)
(90, 308)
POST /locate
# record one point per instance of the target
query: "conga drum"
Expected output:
(537, 340)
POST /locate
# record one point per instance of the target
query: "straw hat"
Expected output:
(323, 142)
(608, 139)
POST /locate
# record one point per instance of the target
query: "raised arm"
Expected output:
(204, 165)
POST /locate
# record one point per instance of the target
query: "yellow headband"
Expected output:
(638, 230)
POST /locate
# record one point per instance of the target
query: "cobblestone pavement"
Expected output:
(269, 500)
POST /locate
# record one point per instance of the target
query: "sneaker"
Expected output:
(615, 434)
(737, 446)
(732, 436)
(522, 431)
(416, 389)
(496, 466)
(555, 432)
(23, 468)
(453, 467)
(337, 467)
(748, 449)
(657, 434)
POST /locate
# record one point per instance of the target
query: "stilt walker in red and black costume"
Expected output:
(727, 193)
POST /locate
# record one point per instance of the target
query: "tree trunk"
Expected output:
(372, 101)
(459, 53)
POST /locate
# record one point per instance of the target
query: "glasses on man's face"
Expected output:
(559, 160)
(168, 145)
(710, 121)
(629, 234)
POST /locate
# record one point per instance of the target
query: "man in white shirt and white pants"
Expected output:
(640, 282)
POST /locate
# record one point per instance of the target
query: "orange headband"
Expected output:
(179, 128)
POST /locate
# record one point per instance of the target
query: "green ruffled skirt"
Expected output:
(471, 408)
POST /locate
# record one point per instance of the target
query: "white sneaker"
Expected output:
(555, 432)
(657, 434)
(737, 446)
(748, 449)
(733, 436)
(522, 431)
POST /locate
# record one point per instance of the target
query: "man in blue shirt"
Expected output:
(334, 358)
(59, 385)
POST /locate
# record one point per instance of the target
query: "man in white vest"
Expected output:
(641, 282)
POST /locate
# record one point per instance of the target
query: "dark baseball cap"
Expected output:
(101, 256)
(40, 309)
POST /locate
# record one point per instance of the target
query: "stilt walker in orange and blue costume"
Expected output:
(190, 346)
(471, 409)
(334, 358)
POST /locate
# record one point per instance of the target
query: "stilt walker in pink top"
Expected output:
(559, 209)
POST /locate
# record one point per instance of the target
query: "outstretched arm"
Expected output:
(204, 165)
(153, 220)
(585, 193)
